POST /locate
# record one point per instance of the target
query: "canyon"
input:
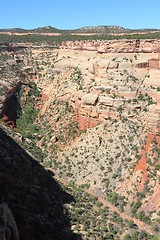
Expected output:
(98, 113)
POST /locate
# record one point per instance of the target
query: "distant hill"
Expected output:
(87, 29)
(102, 29)
(19, 30)
(47, 29)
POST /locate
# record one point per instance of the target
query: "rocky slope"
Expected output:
(120, 80)
(115, 91)
(33, 196)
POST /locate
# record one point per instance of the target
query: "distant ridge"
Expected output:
(88, 29)
(103, 29)
(20, 30)
(47, 29)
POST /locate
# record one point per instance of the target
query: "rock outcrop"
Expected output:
(19, 65)
(114, 46)
(121, 69)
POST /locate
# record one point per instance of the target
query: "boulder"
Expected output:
(11, 62)
(118, 102)
(89, 99)
(113, 65)
(54, 139)
(105, 100)
(93, 113)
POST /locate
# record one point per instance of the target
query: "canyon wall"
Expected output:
(118, 78)
(109, 77)
(115, 83)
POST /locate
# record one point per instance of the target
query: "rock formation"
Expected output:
(113, 72)
(115, 46)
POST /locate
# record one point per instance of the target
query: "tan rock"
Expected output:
(105, 100)
(94, 113)
(118, 102)
(90, 99)
(54, 139)
(113, 65)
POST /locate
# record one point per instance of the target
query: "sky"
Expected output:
(73, 14)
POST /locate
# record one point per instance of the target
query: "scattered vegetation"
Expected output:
(67, 37)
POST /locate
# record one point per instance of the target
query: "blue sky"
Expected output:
(72, 14)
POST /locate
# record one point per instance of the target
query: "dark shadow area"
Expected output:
(11, 109)
(34, 197)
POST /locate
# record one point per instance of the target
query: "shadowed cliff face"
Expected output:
(35, 199)
(11, 110)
